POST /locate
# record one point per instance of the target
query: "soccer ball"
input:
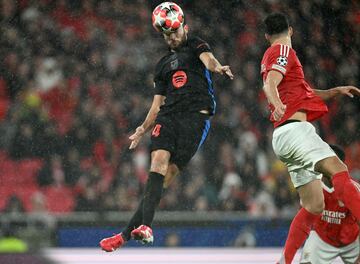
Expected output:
(167, 17)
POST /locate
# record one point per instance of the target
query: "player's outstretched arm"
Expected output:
(340, 90)
(148, 122)
(272, 81)
(212, 64)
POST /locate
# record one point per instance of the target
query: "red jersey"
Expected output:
(337, 226)
(294, 91)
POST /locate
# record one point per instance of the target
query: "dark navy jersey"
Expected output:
(182, 77)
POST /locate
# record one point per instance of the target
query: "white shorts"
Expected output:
(299, 146)
(316, 251)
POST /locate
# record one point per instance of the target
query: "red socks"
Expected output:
(346, 191)
(299, 231)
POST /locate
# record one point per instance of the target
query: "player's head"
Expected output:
(277, 25)
(339, 152)
(169, 19)
(177, 38)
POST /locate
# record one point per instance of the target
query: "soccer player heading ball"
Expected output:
(167, 17)
(179, 116)
(293, 104)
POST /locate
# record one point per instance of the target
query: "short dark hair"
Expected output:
(276, 23)
(338, 151)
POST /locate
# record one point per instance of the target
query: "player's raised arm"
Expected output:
(271, 83)
(212, 64)
(148, 122)
(340, 90)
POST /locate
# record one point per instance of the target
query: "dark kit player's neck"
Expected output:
(182, 44)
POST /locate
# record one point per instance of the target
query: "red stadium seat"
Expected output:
(59, 199)
(25, 193)
(27, 171)
(8, 173)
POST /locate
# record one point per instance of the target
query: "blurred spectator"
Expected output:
(172, 240)
(52, 171)
(245, 238)
(14, 205)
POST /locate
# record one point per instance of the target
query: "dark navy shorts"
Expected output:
(180, 134)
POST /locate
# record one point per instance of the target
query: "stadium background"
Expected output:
(76, 79)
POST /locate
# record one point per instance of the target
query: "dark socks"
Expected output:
(152, 196)
(146, 209)
(134, 222)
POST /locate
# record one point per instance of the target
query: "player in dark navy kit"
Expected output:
(179, 119)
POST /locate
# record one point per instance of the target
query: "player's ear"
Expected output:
(291, 31)
(186, 28)
(267, 37)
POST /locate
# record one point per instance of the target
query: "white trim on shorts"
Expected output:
(299, 146)
(317, 251)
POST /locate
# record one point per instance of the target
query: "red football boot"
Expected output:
(143, 234)
(110, 244)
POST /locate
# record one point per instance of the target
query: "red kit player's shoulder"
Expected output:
(276, 58)
(279, 50)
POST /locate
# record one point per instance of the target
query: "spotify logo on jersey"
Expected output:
(179, 79)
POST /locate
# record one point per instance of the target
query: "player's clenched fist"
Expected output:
(135, 138)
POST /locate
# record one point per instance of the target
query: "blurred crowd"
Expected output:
(76, 80)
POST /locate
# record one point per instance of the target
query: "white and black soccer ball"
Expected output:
(282, 61)
(167, 17)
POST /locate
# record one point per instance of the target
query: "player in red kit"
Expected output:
(336, 232)
(293, 104)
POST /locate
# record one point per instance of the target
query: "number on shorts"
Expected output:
(156, 131)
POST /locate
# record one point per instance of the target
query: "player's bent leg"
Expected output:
(330, 166)
(312, 200)
(152, 195)
(316, 251)
(312, 197)
(144, 233)
(135, 222)
(345, 190)
(171, 174)
(160, 161)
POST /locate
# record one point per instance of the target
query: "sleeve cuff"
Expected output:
(278, 68)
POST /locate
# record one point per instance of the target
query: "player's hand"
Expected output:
(224, 70)
(347, 90)
(135, 138)
(279, 111)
